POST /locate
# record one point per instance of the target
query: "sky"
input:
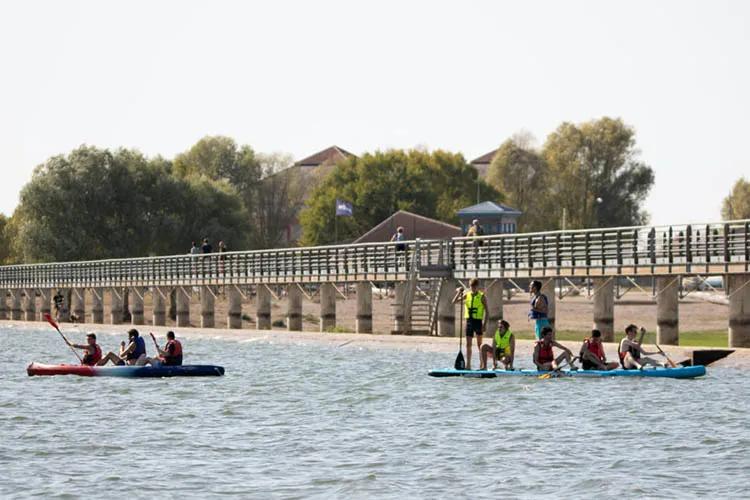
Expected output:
(297, 77)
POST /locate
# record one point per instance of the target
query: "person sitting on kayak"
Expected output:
(93, 351)
(503, 347)
(592, 353)
(544, 358)
(171, 355)
(631, 353)
(132, 354)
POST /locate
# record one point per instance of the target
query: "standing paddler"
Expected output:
(475, 312)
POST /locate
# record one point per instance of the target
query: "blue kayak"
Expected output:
(126, 371)
(679, 372)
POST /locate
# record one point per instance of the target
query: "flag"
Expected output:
(343, 208)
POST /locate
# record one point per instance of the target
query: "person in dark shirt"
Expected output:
(206, 246)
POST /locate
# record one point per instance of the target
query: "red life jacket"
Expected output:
(598, 350)
(176, 357)
(93, 359)
(545, 353)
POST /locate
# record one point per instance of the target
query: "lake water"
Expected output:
(301, 421)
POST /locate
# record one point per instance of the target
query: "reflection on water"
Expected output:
(301, 421)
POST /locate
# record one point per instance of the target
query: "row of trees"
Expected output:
(737, 204)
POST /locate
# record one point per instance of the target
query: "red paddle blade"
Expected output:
(51, 321)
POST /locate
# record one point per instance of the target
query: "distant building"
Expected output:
(483, 163)
(415, 226)
(493, 218)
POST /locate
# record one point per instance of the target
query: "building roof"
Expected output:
(486, 209)
(329, 156)
(415, 226)
(486, 158)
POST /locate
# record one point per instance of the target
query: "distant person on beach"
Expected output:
(592, 353)
(538, 308)
(544, 357)
(475, 313)
(171, 355)
(58, 300)
(93, 351)
(503, 348)
(132, 353)
(631, 352)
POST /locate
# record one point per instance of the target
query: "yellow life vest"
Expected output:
(502, 343)
(473, 307)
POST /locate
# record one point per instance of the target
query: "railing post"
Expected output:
(689, 244)
(727, 257)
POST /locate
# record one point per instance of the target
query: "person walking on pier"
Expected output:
(503, 348)
(631, 352)
(544, 358)
(539, 308)
(592, 354)
(475, 313)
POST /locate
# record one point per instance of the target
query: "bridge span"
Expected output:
(602, 261)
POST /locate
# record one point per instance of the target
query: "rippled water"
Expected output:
(301, 421)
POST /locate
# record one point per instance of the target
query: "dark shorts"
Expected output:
(120, 362)
(588, 365)
(473, 326)
(499, 353)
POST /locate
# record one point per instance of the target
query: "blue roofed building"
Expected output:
(493, 218)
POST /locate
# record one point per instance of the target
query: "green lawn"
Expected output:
(703, 339)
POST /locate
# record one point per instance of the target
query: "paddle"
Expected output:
(671, 363)
(155, 344)
(556, 370)
(460, 364)
(52, 322)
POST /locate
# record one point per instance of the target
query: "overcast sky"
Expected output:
(297, 77)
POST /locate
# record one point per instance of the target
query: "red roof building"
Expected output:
(415, 226)
(483, 163)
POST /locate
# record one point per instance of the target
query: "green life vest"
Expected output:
(473, 307)
(502, 344)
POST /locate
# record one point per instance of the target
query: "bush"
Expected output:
(279, 323)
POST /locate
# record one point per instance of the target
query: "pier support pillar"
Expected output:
(45, 296)
(548, 289)
(4, 311)
(29, 304)
(667, 310)
(400, 319)
(604, 308)
(263, 308)
(739, 310)
(183, 306)
(135, 299)
(97, 306)
(115, 306)
(160, 305)
(15, 304)
(364, 307)
(447, 309)
(294, 313)
(234, 307)
(493, 293)
(207, 307)
(327, 307)
(78, 299)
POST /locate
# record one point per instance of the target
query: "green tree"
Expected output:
(737, 205)
(596, 175)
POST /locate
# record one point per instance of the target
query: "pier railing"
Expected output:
(714, 248)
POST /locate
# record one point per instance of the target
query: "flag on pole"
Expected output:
(343, 208)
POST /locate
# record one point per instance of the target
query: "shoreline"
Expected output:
(420, 343)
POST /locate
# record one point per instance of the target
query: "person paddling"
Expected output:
(171, 355)
(544, 358)
(503, 348)
(93, 351)
(134, 353)
(592, 353)
(632, 355)
(475, 312)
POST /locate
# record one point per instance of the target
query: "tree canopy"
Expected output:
(737, 204)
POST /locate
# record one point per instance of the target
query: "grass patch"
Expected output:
(338, 329)
(311, 318)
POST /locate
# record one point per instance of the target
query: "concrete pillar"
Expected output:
(399, 318)
(79, 304)
(160, 305)
(604, 308)
(15, 304)
(234, 307)
(135, 299)
(494, 296)
(327, 307)
(667, 310)
(4, 311)
(45, 297)
(447, 310)
(97, 306)
(548, 289)
(115, 306)
(263, 308)
(739, 310)
(364, 307)
(29, 304)
(294, 313)
(183, 306)
(207, 307)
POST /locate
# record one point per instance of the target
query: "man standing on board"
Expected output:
(475, 312)
(539, 308)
